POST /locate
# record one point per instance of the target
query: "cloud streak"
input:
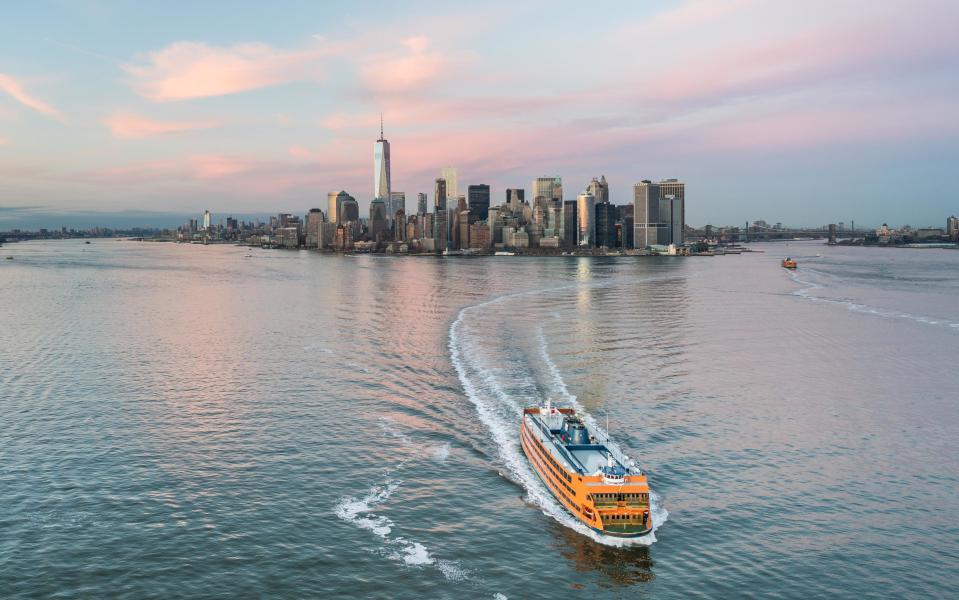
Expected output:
(127, 125)
(12, 87)
(186, 70)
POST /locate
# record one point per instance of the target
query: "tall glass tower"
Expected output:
(381, 167)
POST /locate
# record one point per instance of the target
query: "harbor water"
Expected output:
(186, 421)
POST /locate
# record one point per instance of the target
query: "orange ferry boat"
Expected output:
(594, 481)
(789, 263)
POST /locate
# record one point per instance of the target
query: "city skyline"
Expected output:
(760, 108)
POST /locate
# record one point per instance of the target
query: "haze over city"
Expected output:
(804, 113)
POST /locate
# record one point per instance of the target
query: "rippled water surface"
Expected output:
(191, 422)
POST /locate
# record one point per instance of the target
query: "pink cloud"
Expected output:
(691, 14)
(772, 64)
(129, 125)
(218, 166)
(195, 70)
(418, 67)
(13, 88)
(3, 141)
(900, 119)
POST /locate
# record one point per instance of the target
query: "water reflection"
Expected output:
(616, 567)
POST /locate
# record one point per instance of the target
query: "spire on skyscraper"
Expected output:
(381, 127)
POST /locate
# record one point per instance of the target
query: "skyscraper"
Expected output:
(586, 213)
(478, 202)
(335, 201)
(550, 188)
(515, 197)
(348, 210)
(599, 189)
(421, 204)
(314, 229)
(397, 202)
(676, 189)
(381, 167)
(648, 228)
(207, 219)
(570, 224)
(605, 225)
(379, 224)
(440, 216)
(449, 174)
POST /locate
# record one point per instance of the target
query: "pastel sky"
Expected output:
(802, 112)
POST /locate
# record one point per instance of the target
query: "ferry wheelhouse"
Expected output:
(593, 480)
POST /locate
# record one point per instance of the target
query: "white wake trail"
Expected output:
(808, 286)
(657, 511)
(501, 413)
(360, 511)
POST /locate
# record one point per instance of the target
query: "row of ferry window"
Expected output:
(560, 476)
(618, 517)
(552, 461)
(542, 453)
(622, 497)
(560, 491)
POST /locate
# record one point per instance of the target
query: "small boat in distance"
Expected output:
(594, 481)
(789, 263)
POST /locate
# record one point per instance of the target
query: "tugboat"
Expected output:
(595, 482)
(789, 263)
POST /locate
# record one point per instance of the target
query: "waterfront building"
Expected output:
(515, 238)
(440, 216)
(605, 225)
(677, 190)
(399, 226)
(449, 175)
(381, 167)
(207, 220)
(599, 189)
(586, 212)
(421, 208)
(426, 225)
(329, 233)
(548, 187)
(537, 225)
(348, 210)
(515, 198)
(479, 236)
(626, 219)
(334, 201)
(461, 235)
(570, 234)
(314, 230)
(648, 228)
(397, 202)
(659, 213)
(493, 222)
(412, 232)
(343, 238)
(288, 237)
(952, 228)
(478, 202)
(379, 223)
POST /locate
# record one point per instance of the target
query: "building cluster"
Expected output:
(544, 218)
(886, 235)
